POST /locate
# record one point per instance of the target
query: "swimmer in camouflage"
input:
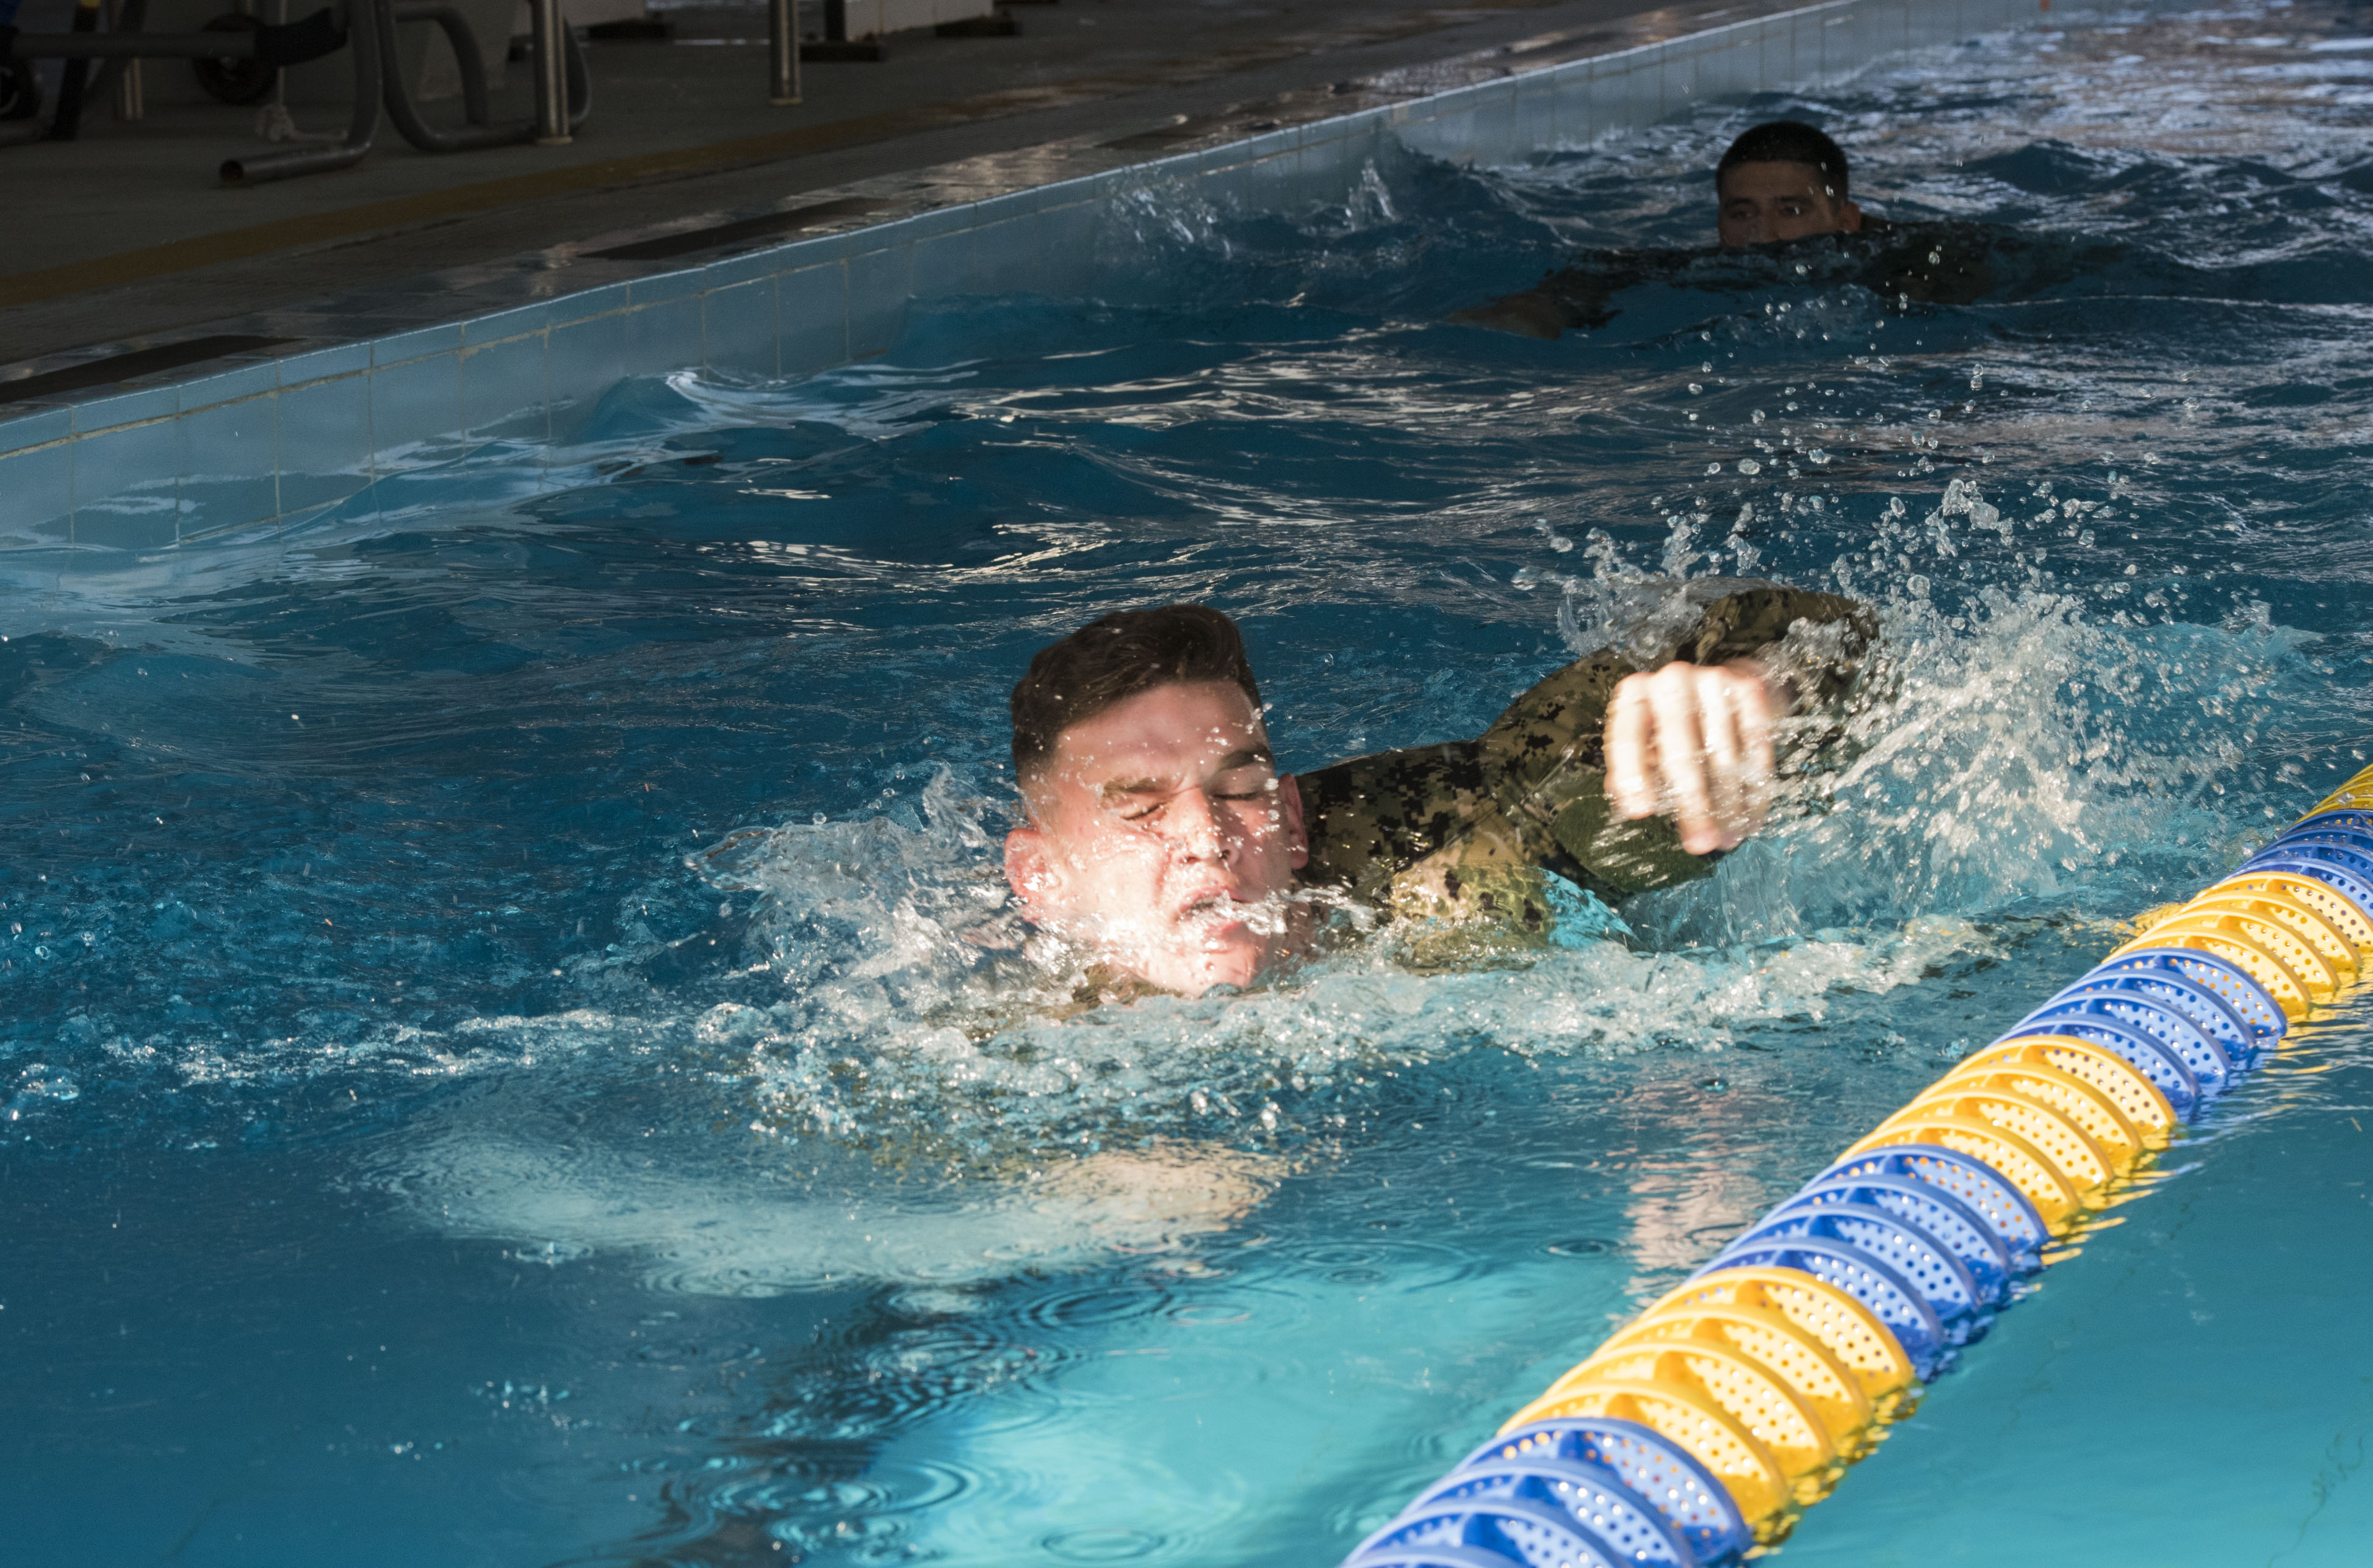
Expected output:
(1782, 190)
(1163, 839)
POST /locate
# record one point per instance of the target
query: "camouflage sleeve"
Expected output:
(1465, 828)
(1814, 644)
(1546, 756)
(1935, 263)
(1578, 296)
(1958, 263)
(1373, 817)
(1420, 832)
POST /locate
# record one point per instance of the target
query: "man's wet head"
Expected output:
(1159, 832)
(1783, 181)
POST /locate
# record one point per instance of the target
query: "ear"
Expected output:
(1289, 811)
(1030, 870)
(1849, 218)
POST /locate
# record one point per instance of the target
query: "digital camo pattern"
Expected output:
(1461, 833)
(1939, 262)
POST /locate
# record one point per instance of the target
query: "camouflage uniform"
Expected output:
(1928, 263)
(1462, 832)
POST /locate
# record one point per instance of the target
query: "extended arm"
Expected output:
(1660, 749)
(1470, 825)
(1576, 295)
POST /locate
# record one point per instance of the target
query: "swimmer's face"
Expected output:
(1162, 834)
(1763, 203)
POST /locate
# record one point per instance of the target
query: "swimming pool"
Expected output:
(433, 1134)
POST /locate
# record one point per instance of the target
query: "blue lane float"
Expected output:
(1702, 1429)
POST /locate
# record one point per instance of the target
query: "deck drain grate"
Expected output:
(138, 362)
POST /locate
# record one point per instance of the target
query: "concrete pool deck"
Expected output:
(125, 236)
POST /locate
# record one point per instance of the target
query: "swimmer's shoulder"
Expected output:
(1957, 261)
(1368, 817)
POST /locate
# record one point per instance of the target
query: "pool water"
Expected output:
(515, 1052)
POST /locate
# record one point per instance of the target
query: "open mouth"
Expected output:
(1210, 910)
(1216, 915)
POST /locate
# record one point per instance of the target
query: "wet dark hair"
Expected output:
(1787, 141)
(1107, 662)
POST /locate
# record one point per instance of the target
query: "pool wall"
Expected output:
(365, 429)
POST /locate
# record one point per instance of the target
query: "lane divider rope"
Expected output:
(1699, 1432)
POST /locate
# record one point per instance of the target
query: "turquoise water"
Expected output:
(510, 1056)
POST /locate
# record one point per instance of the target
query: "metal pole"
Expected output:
(362, 40)
(783, 39)
(551, 76)
(67, 119)
(136, 46)
(129, 104)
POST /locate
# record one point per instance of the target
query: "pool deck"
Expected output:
(123, 239)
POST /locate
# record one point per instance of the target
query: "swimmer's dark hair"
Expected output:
(1787, 141)
(1107, 662)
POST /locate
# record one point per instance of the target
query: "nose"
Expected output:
(1193, 828)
